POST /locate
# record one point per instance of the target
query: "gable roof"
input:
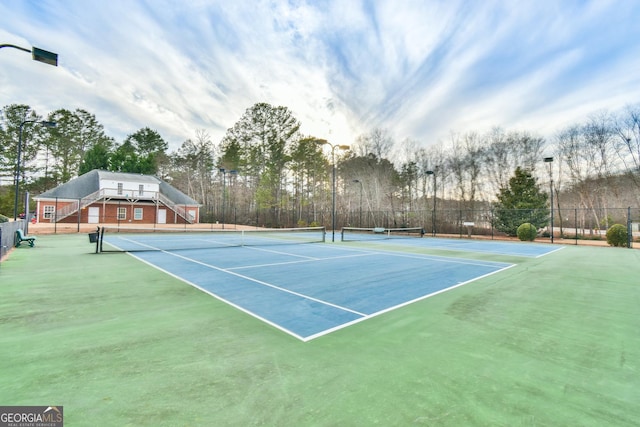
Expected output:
(90, 183)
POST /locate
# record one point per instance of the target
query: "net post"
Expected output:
(101, 237)
(98, 239)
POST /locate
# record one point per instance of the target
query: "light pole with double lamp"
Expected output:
(333, 182)
(18, 162)
(550, 161)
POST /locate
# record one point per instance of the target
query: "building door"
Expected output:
(94, 215)
(162, 216)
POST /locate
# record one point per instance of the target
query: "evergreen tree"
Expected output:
(522, 201)
(96, 157)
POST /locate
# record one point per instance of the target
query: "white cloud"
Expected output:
(419, 69)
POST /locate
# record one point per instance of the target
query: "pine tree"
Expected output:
(522, 201)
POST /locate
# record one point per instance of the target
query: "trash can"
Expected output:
(93, 237)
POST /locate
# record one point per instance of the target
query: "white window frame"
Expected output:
(120, 188)
(122, 214)
(137, 214)
(48, 211)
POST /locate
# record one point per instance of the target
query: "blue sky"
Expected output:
(419, 69)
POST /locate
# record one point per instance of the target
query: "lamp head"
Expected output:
(44, 56)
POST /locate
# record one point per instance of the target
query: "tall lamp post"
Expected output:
(433, 216)
(359, 182)
(18, 161)
(224, 180)
(37, 54)
(333, 182)
(550, 161)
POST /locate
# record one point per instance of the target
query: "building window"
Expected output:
(141, 190)
(48, 211)
(120, 187)
(122, 213)
(137, 214)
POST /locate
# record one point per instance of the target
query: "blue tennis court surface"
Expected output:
(522, 249)
(310, 290)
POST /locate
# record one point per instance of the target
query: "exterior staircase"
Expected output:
(72, 208)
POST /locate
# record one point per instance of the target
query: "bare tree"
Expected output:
(626, 129)
(504, 152)
(377, 142)
(465, 162)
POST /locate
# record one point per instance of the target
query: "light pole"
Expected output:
(37, 54)
(18, 161)
(359, 182)
(224, 179)
(333, 182)
(433, 216)
(550, 161)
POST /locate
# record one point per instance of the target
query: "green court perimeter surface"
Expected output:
(553, 341)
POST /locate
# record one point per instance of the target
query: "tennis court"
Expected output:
(413, 237)
(549, 341)
(305, 290)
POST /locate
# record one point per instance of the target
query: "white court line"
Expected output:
(460, 247)
(360, 252)
(465, 261)
(395, 307)
(224, 270)
(246, 267)
(219, 298)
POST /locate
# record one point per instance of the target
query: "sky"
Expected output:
(419, 69)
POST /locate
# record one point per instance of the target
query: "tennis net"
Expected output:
(349, 234)
(122, 239)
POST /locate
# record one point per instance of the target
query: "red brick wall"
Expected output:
(109, 213)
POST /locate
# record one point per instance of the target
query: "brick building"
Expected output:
(102, 197)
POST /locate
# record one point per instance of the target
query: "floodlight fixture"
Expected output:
(37, 54)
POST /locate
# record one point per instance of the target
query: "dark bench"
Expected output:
(20, 237)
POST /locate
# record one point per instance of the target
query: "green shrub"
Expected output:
(3, 218)
(527, 232)
(617, 235)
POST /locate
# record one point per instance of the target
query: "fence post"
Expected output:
(575, 221)
(629, 229)
(55, 218)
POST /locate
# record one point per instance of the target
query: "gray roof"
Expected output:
(90, 183)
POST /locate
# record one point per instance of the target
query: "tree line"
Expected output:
(264, 171)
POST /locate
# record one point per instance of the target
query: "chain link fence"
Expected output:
(579, 225)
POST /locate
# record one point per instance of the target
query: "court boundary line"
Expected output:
(466, 261)
(219, 298)
(404, 304)
(457, 249)
(363, 316)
